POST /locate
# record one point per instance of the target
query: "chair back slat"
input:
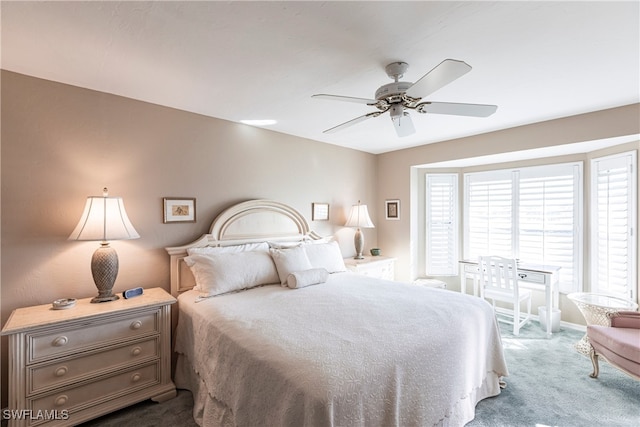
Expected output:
(499, 274)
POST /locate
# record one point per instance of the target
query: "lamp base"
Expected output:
(104, 299)
(358, 241)
(104, 269)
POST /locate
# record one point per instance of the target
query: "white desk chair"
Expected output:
(499, 282)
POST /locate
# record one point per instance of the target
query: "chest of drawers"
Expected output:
(380, 267)
(69, 366)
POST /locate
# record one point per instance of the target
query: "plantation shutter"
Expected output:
(488, 215)
(549, 219)
(534, 214)
(613, 219)
(442, 224)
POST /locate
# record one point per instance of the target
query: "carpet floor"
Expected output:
(548, 385)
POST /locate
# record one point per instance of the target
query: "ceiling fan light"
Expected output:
(396, 111)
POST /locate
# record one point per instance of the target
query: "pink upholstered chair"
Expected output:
(618, 344)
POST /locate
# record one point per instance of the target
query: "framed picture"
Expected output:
(179, 209)
(392, 209)
(319, 211)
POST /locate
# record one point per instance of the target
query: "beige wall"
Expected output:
(399, 239)
(61, 144)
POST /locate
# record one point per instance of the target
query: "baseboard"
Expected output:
(574, 326)
(563, 324)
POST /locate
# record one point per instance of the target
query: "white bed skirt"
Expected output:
(210, 412)
(207, 411)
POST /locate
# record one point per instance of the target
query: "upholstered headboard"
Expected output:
(247, 222)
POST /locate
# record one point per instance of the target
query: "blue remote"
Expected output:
(130, 293)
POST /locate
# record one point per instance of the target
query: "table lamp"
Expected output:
(359, 218)
(104, 218)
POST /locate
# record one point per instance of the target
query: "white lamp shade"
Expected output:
(104, 218)
(359, 217)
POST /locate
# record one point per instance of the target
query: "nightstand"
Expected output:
(380, 267)
(69, 366)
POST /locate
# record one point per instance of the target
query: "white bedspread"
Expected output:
(349, 352)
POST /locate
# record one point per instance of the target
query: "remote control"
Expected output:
(130, 293)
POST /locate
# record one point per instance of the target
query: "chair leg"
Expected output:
(594, 361)
(516, 318)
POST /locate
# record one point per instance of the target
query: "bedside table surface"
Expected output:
(368, 259)
(30, 317)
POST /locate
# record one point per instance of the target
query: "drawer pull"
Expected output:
(61, 371)
(60, 341)
(136, 377)
(136, 325)
(61, 400)
(136, 351)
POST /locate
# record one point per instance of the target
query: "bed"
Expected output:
(272, 330)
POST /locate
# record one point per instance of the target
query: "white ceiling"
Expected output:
(263, 60)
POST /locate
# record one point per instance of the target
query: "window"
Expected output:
(613, 218)
(550, 220)
(442, 224)
(534, 214)
(488, 214)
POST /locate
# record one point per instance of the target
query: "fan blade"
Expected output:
(473, 110)
(352, 122)
(346, 99)
(443, 74)
(403, 125)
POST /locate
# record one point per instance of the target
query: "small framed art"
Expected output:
(320, 211)
(392, 209)
(179, 209)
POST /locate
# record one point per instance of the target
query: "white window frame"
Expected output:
(507, 213)
(600, 248)
(441, 227)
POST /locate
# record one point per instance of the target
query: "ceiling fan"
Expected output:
(399, 97)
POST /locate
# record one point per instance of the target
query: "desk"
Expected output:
(532, 276)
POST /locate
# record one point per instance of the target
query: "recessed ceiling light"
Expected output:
(263, 122)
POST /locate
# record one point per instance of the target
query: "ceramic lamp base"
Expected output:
(104, 299)
(358, 241)
(104, 269)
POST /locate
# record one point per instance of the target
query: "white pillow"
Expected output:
(288, 261)
(285, 245)
(262, 246)
(302, 279)
(327, 256)
(321, 240)
(306, 240)
(231, 271)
